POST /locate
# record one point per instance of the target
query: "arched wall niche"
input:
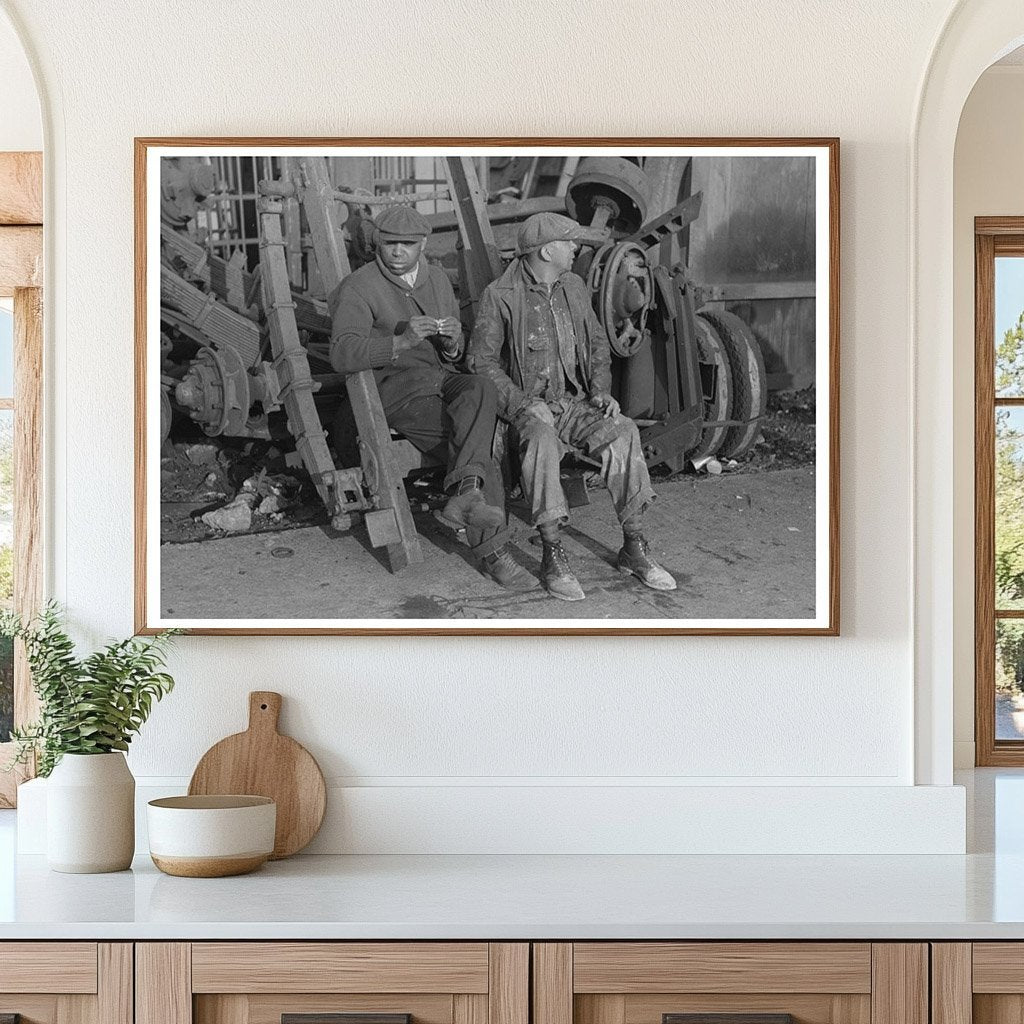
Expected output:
(976, 34)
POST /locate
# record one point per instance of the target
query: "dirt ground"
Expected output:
(740, 545)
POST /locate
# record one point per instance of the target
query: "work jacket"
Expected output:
(369, 308)
(518, 361)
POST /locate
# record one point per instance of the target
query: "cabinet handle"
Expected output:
(337, 1018)
(727, 1018)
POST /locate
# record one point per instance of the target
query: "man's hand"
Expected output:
(419, 329)
(606, 402)
(538, 408)
(450, 328)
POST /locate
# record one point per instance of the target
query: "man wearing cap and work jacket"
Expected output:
(539, 340)
(398, 317)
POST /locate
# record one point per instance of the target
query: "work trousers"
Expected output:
(457, 428)
(615, 440)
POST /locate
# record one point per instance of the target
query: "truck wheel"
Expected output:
(712, 351)
(749, 381)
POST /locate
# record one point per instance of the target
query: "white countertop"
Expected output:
(977, 896)
(516, 897)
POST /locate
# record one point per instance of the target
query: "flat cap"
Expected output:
(401, 221)
(542, 228)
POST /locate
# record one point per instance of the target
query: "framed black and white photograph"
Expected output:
(483, 386)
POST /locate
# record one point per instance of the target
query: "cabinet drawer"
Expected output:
(978, 983)
(65, 967)
(332, 983)
(633, 967)
(340, 967)
(730, 983)
(66, 982)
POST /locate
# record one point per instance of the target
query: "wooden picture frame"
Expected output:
(304, 203)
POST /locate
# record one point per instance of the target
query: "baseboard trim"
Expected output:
(452, 819)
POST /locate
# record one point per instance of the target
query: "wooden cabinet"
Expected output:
(66, 982)
(262, 982)
(494, 983)
(663, 982)
(978, 983)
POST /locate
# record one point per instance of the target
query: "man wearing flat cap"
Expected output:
(398, 317)
(538, 339)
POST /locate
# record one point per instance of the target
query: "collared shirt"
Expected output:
(410, 278)
(549, 324)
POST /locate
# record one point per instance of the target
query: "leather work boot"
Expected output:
(633, 558)
(507, 572)
(558, 579)
(468, 507)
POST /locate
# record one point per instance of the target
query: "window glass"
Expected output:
(1009, 511)
(1009, 327)
(1009, 679)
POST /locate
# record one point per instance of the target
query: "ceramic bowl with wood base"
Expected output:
(211, 836)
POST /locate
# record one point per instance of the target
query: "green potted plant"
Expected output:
(89, 710)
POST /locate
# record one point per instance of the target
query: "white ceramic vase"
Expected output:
(90, 814)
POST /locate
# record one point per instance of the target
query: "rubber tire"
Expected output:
(711, 350)
(749, 381)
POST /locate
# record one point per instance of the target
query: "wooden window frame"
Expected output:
(21, 278)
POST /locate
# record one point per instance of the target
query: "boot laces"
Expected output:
(559, 559)
(641, 542)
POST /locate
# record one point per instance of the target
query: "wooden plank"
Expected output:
(115, 983)
(999, 225)
(951, 983)
(28, 483)
(469, 1009)
(339, 967)
(998, 967)
(267, 1008)
(76, 1010)
(480, 260)
(31, 1009)
(163, 983)
(847, 1009)
(899, 983)
(508, 984)
(225, 1009)
(21, 188)
(10, 781)
(604, 1009)
(65, 967)
(997, 1009)
(721, 967)
(984, 503)
(552, 983)
(21, 259)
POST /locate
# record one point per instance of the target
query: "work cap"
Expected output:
(542, 228)
(401, 221)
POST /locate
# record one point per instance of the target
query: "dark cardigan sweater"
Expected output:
(370, 307)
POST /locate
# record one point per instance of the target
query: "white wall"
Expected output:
(432, 716)
(21, 126)
(988, 181)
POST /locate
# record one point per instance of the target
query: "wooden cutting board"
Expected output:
(262, 762)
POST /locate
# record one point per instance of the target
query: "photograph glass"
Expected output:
(387, 386)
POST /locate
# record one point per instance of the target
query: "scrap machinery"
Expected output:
(245, 348)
